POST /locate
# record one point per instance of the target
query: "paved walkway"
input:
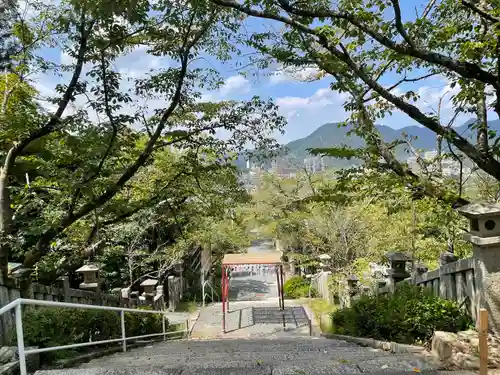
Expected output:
(256, 342)
(253, 306)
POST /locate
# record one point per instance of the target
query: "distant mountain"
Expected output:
(333, 134)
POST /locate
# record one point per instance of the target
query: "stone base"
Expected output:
(461, 350)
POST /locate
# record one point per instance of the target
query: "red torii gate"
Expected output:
(264, 258)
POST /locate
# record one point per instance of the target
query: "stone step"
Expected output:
(256, 370)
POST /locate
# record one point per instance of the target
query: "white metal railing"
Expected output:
(17, 306)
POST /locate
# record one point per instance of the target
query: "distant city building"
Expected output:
(315, 164)
(450, 166)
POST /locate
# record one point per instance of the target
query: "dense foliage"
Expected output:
(298, 287)
(380, 53)
(355, 219)
(410, 315)
(129, 170)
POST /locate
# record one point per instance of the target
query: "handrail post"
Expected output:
(163, 329)
(310, 327)
(20, 340)
(187, 328)
(124, 334)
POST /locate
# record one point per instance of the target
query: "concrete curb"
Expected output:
(391, 346)
(192, 322)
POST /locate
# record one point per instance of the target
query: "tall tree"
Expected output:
(95, 150)
(9, 15)
(363, 45)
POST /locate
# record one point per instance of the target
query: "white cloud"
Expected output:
(325, 105)
(233, 84)
(321, 98)
(286, 75)
(237, 84)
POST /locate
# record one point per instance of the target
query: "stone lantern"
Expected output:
(91, 276)
(352, 284)
(149, 289)
(447, 257)
(324, 262)
(421, 268)
(484, 234)
(397, 270)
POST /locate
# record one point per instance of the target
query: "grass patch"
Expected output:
(187, 306)
(322, 310)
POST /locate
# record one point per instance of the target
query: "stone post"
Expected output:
(352, 287)
(172, 293)
(445, 281)
(344, 297)
(484, 234)
(159, 298)
(65, 287)
(125, 297)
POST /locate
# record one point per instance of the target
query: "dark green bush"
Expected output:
(408, 316)
(298, 287)
(47, 327)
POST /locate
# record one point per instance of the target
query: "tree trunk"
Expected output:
(482, 124)
(439, 149)
(5, 218)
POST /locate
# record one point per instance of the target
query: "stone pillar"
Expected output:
(66, 289)
(125, 297)
(484, 234)
(445, 281)
(344, 297)
(352, 287)
(292, 267)
(172, 293)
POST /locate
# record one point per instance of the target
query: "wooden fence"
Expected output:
(455, 281)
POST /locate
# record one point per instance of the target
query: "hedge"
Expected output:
(298, 287)
(411, 315)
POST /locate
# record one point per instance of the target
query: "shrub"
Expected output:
(298, 287)
(47, 327)
(410, 315)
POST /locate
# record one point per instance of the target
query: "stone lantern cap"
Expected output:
(352, 279)
(13, 266)
(149, 282)
(90, 276)
(475, 210)
(397, 256)
(88, 268)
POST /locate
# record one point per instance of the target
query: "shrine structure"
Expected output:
(231, 262)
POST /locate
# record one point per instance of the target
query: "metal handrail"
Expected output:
(17, 306)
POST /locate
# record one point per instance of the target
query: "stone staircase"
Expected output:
(255, 356)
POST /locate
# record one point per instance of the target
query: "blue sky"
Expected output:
(306, 105)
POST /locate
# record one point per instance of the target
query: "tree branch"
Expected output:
(465, 69)
(482, 13)
(399, 23)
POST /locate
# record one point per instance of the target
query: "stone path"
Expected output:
(253, 306)
(250, 319)
(255, 343)
(275, 356)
